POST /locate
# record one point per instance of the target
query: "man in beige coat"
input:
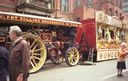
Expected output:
(19, 58)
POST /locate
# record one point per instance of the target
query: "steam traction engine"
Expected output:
(48, 38)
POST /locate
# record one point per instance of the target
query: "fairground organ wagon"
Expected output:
(103, 34)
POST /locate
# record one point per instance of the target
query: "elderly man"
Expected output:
(3, 63)
(19, 58)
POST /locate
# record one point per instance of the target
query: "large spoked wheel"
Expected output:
(72, 56)
(38, 52)
(55, 58)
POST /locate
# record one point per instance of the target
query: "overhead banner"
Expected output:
(37, 19)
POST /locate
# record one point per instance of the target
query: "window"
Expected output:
(3, 31)
(110, 12)
(64, 5)
(78, 19)
(52, 2)
(116, 13)
(78, 3)
(110, 1)
(116, 2)
(120, 3)
(120, 14)
(84, 1)
(89, 3)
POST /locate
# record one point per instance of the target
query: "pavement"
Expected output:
(114, 77)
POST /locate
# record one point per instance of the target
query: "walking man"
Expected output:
(19, 58)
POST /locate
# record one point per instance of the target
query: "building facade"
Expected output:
(35, 7)
(64, 9)
(8, 5)
(109, 7)
(125, 6)
(60, 9)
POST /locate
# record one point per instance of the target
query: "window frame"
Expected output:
(64, 5)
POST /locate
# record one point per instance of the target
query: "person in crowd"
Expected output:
(77, 46)
(121, 59)
(3, 63)
(19, 55)
(72, 36)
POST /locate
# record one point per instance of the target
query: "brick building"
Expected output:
(110, 7)
(61, 9)
(35, 7)
(64, 9)
(8, 5)
(125, 6)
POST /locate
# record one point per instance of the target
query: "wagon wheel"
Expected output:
(38, 52)
(55, 58)
(72, 56)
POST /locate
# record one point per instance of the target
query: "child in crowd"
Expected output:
(121, 59)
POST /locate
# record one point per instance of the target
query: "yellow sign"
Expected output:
(106, 54)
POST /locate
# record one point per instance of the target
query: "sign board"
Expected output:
(106, 54)
(37, 19)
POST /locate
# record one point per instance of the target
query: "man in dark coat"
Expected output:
(19, 58)
(72, 36)
(3, 63)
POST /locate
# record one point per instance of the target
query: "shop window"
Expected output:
(110, 12)
(64, 5)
